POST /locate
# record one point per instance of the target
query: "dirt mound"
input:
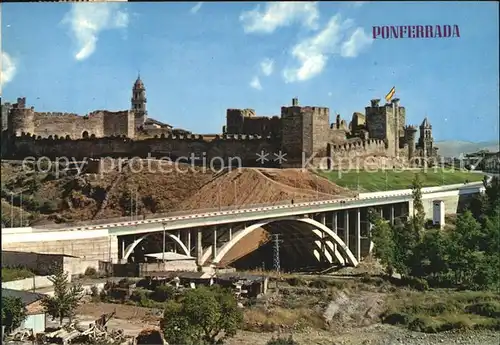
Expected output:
(263, 186)
(48, 197)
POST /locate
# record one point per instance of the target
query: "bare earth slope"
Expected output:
(64, 198)
(263, 186)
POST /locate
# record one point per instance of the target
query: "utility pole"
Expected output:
(276, 252)
(21, 207)
(163, 250)
(218, 196)
(235, 194)
(12, 210)
(131, 205)
(136, 203)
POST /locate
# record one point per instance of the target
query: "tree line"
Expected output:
(465, 257)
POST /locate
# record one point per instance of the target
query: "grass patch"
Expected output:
(374, 181)
(11, 274)
(262, 320)
(440, 310)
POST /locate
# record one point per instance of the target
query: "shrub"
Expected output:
(296, 281)
(319, 284)
(94, 291)
(396, 318)
(163, 293)
(282, 341)
(488, 309)
(90, 272)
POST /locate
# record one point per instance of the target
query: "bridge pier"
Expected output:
(199, 247)
(357, 235)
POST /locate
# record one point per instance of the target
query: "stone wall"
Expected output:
(244, 121)
(72, 125)
(45, 124)
(221, 148)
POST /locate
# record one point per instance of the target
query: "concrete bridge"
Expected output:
(325, 231)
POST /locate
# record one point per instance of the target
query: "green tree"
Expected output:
(430, 256)
(66, 298)
(203, 316)
(464, 248)
(418, 217)
(13, 313)
(382, 237)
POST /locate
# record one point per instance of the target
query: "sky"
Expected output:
(198, 59)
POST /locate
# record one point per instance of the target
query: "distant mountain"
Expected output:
(454, 148)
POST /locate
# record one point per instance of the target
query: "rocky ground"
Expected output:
(374, 335)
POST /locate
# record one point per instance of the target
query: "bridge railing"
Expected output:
(227, 208)
(181, 213)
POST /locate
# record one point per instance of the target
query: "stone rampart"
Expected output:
(223, 147)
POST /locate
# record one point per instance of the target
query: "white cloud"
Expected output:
(8, 69)
(358, 3)
(255, 83)
(330, 94)
(88, 20)
(196, 8)
(267, 66)
(313, 53)
(280, 14)
(356, 43)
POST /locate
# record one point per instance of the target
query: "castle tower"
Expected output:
(21, 120)
(410, 132)
(138, 102)
(426, 140)
(305, 131)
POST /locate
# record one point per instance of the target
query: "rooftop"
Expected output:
(26, 297)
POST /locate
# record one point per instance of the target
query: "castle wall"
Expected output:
(263, 126)
(353, 155)
(118, 123)
(175, 147)
(244, 121)
(64, 124)
(337, 136)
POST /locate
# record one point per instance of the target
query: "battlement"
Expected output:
(241, 112)
(410, 128)
(49, 114)
(369, 144)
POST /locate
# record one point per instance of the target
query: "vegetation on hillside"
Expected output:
(465, 259)
(382, 180)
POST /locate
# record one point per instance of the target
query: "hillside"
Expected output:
(454, 148)
(47, 198)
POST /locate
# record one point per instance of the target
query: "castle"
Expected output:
(300, 131)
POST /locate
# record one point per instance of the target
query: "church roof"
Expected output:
(150, 121)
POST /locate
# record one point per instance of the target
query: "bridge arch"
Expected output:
(327, 251)
(130, 248)
(345, 252)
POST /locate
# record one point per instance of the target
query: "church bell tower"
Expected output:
(138, 102)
